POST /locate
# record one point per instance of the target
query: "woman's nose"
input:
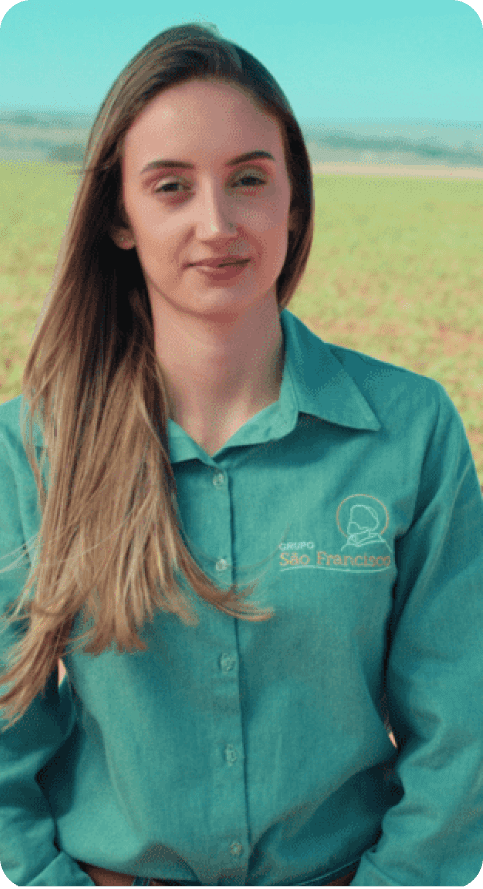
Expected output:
(215, 215)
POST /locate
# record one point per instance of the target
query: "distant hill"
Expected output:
(62, 137)
(43, 136)
(396, 142)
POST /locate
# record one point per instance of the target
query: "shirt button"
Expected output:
(221, 565)
(219, 479)
(236, 849)
(227, 662)
(230, 754)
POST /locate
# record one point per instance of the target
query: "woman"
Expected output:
(273, 545)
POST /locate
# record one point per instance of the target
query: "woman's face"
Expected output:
(191, 198)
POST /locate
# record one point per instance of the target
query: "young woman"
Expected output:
(254, 552)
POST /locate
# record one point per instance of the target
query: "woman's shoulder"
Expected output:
(12, 447)
(10, 411)
(364, 365)
(11, 414)
(402, 399)
(10, 421)
(390, 389)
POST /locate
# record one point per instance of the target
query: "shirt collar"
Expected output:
(313, 382)
(321, 386)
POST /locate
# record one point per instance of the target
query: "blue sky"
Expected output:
(335, 59)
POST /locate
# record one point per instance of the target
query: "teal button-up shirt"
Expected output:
(241, 753)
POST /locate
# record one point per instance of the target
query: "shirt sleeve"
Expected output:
(434, 676)
(29, 854)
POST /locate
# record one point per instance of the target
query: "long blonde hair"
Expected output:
(110, 544)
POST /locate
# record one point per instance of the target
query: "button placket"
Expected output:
(229, 840)
(219, 480)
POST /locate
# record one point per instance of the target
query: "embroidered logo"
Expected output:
(362, 521)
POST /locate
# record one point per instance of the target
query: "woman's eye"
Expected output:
(248, 181)
(168, 187)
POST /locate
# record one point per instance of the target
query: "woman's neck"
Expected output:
(220, 372)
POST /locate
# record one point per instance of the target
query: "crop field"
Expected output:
(396, 271)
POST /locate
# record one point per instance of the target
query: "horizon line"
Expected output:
(312, 121)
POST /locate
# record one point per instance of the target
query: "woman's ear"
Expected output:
(123, 238)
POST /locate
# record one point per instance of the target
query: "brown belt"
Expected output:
(346, 880)
(103, 877)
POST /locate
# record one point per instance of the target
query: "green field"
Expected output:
(396, 271)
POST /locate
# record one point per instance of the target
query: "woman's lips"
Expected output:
(217, 264)
(223, 272)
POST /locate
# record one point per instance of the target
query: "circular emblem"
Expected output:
(362, 514)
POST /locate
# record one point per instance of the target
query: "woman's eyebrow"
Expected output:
(184, 165)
